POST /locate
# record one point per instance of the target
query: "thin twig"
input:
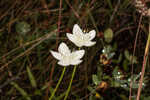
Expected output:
(29, 49)
(135, 43)
(144, 64)
(46, 7)
(76, 14)
(9, 9)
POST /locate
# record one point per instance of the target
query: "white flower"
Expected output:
(79, 38)
(66, 57)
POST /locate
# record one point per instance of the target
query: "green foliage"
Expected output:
(92, 92)
(31, 78)
(23, 27)
(38, 92)
(108, 35)
(116, 23)
(22, 91)
(126, 53)
(129, 57)
(95, 79)
(109, 51)
(124, 59)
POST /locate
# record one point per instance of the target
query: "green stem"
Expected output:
(68, 90)
(61, 77)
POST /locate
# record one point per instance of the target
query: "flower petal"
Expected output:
(75, 39)
(92, 34)
(77, 54)
(72, 37)
(56, 55)
(63, 63)
(76, 62)
(78, 44)
(63, 49)
(89, 43)
(77, 30)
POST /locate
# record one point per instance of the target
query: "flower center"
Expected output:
(68, 58)
(84, 38)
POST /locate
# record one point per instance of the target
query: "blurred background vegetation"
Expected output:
(29, 29)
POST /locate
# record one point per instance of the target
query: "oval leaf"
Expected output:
(127, 55)
(22, 27)
(95, 79)
(108, 35)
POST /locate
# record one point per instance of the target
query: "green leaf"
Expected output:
(111, 55)
(38, 92)
(22, 91)
(134, 59)
(127, 55)
(107, 49)
(22, 27)
(99, 72)
(125, 64)
(44, 87)
(31, 78)
(108, 35)
(90, 88)
(120, 58)
(95, 79)
(106, 77)
(115, 71)
(117, 61)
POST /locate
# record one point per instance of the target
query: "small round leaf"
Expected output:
(22, 27)
(108, 35)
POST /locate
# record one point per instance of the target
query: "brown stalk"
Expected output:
(144, 64)
(135, 43)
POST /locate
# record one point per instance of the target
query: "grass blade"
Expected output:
(22, 91)
(31, 78)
